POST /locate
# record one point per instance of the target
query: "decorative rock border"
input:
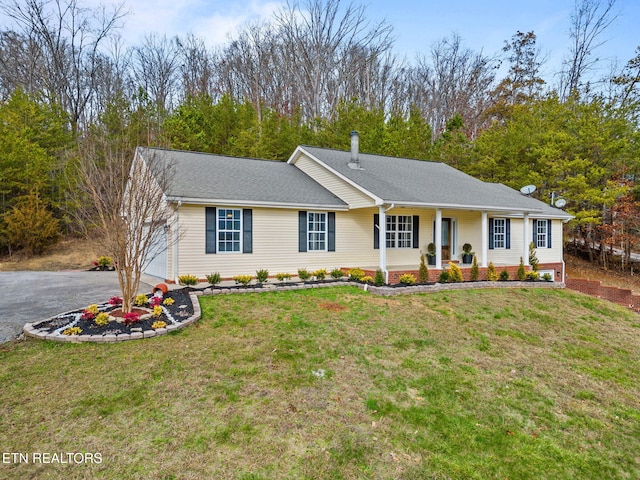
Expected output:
(32, 330)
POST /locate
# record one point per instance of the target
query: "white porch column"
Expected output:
(438, 235)
(525, 243)
(382, 230)
(485, 240)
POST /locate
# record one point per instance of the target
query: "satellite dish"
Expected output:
(528, 189)
(561, 202)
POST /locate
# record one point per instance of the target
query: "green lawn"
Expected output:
(338, 383)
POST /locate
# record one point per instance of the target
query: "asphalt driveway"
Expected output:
(31, 296)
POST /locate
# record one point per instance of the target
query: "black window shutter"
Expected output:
(211, 221)
(491, 234)
(416, 231)
(548, 233)
(302, 231)
(376, 230)
(331, 231)
(534, 238)
(508, 233)
(247, 230)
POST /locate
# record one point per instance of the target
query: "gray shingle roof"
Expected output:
(407, 181)
(205, 178)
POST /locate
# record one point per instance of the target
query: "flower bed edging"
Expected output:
(32, 330)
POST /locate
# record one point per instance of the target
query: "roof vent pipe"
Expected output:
(355, 147)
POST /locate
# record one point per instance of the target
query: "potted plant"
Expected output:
(431, 253)
(467, 254)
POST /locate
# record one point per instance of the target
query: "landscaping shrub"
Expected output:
(547, 277)
(533, 259)
(535, 276)
(320, 274)
(492, 275)
(504, 276)
(423, 271)
(444, 276)
(243, 279)
(378, 280)
(214, 278)
(407, 279)
(475, 271)
(262, 275)
(283, 276)
(303, 274)
(187, 279)
(455, 274)
(356, 274)
(336, 273)
(522, 273)
(367, 279)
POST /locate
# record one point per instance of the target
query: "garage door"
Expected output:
(157, 259)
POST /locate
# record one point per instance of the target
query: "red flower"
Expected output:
(86, 315)
(130, 318)
(115, 301)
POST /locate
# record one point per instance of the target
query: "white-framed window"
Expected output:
(316, 231)
(399, 231)
(229, 230)
(499, 233)
(541, 234)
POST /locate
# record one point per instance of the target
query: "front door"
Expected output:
(446, 239)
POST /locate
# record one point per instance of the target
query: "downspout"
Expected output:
(176, 237)
(382, 228)
(527, 236)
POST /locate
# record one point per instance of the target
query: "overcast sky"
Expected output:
(417, 24)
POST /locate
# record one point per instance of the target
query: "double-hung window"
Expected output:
(229, 229)
(399, 231)
(499, 233)
(316, 231)
(541, 234)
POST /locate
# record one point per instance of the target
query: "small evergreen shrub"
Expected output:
(423, 271)
(283, 276)
(262, 275)
(444, 276)
(407, 279)
(533, 259)
(31, 226)
(242, 279)
(455, 274)
(336, 273)
(187, 279)
(547, 277)
(320, 274)
(475, 271)
(356, 274)
(535, 276)
(522, 273)
(303, 274)
(492, 275)
(367, 279)
(504, 276)
(214, 278)
(378, 280)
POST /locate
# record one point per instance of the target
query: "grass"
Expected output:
(340, 384)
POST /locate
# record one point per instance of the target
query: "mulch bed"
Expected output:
(181, 310)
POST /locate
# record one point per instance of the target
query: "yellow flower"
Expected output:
(92, 309)
(158, 324)
(102, 319)
(168, 301)
(157, 311)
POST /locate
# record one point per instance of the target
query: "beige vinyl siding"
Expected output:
(275, 244)
(346, 192)
(553, 254)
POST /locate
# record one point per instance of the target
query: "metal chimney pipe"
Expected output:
(355, 147)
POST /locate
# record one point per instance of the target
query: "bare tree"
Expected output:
(453, 80)
(65, 39)
(196, 67)
(319, 42)
(589, 20)
(125, 209)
